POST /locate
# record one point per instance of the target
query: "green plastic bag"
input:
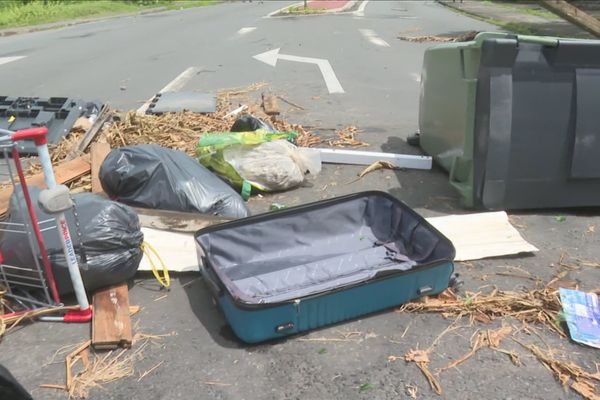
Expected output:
(210, 153)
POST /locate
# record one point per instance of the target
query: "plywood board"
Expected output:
(111, 323)
(177, 250)
(482, 235)
(98, 153)
(270, 104)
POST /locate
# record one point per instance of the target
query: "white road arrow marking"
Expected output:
(6, 60)
(246, 30)
(333, 85)
(361, 9)
(372, 37)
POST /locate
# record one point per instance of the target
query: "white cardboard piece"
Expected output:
(475, 236)
(176, 249)
(482, 235)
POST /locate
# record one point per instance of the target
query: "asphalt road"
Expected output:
(200, 358)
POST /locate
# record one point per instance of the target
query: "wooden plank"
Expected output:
(270, 104)
(64, 173)
(98, 153)
(103, 116)
(111, 323)
(573, 14)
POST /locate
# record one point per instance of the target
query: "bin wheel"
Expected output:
(414, 139)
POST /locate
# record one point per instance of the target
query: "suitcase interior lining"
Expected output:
(295, 255)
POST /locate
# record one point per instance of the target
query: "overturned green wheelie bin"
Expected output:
(515, 119)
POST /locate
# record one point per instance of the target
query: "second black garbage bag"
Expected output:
(107, 242)
(152, 176)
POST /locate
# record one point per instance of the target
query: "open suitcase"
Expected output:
(305, 267)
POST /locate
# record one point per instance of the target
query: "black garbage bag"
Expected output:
(152, 176)
(109, 244)
(10, 388)
(250, 123)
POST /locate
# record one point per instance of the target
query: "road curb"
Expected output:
(64, 24)
(350, 4)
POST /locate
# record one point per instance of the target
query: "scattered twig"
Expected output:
(487, 338)
(52, 386)
(189, 283)
(421, 357)
(142, 376)
(290, 102)
(568, 374)
(347, 137)
(214, 383)
(325, 339)
(69, 361)
(411, 390)
(406, 330)
(539, 305)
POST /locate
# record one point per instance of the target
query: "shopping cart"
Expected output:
(33, 287)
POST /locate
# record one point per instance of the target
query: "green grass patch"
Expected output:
(519, 28)
(15, 13)
(365, 386)
(300, 10)
(560, 218)
(178, 5)
(538, 12)
(516, 27)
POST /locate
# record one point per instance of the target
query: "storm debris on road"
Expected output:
(487, 338)
(347, 138)
(463, 37)
(537, 305)
(99, 368)
(568, 374)
(182, 130)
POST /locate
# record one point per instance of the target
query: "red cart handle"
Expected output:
(37, 134)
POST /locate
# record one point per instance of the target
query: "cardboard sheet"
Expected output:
(483, 235)
(177, 250)
(475, 236)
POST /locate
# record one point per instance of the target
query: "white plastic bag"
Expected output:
(276, 165)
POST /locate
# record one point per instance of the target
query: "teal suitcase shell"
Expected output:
(305, 267)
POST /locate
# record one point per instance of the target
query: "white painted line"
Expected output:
(333, 84)
(6, 60)
(372, 37)
(360, 12)
(246, 30)
(415, 76)
(172, 86)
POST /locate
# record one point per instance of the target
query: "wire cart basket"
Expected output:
(34, 287)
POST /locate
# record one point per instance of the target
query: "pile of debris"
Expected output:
(462, 37)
